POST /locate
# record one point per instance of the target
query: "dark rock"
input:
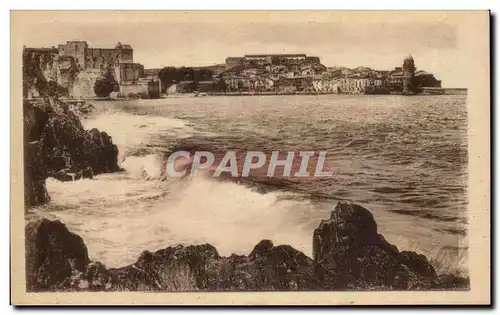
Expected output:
(172, 269)
(418, 263)
(63, 176)
(349, 254)
(452, 282)
(88, 172)
(261, 248)
(99, 151)
(35, 173)
(96, 276)
(280, 268)
(34, 119)
(53, 254)
(57, 145)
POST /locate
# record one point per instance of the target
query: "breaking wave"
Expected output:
(120, 215)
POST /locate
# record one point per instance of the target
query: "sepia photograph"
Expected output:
(250, 157)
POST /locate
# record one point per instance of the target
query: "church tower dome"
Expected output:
(408, 74)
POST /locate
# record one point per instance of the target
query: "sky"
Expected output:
(181, 39)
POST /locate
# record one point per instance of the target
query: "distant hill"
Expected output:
(211, 67)
(217, 68)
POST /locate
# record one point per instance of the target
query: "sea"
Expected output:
(403, 158)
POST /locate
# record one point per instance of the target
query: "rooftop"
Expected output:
(422, 72)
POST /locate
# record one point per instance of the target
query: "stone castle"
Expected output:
(89, 64)
(120, 58)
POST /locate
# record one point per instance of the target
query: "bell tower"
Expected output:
(408, 73)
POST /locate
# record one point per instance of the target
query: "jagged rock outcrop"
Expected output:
(348, 255)
(53, 254)
(56, 145)
(46, 73)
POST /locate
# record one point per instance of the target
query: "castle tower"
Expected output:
(408, 73)
(125, 53)
(76, 49)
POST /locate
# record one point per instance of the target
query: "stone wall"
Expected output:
(84, 83)
(143, 88)
(129, 72)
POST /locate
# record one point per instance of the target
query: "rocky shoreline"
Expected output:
(348, 255)
(56, 145)
(348, 252)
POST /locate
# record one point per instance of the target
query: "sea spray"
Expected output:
(120, 215)
(132, 132)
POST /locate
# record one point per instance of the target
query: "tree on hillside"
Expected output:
(168, 76)
(221, 85)
(172, 75)
(105, 85)
(203, 74)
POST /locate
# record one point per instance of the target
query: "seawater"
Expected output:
(403, 158)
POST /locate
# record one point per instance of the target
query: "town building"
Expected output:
(352, 85)
(232, 62)
(395, 80)
(232, 83)
(318, 83)
(424, 79)
(146, 87)
(301, 73)
(271, 59)
(295, 84)
(331, 85)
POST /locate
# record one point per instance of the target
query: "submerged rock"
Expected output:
(349, 254)
(56, 145)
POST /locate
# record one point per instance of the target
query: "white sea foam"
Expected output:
(120, 215)
(130, 131)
